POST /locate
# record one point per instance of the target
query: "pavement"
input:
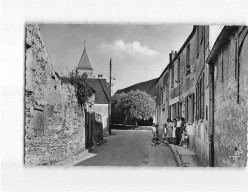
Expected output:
(130, 148)
(184, 156)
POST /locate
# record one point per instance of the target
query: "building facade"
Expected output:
(228, 83)
(183, 90)
(207, 85)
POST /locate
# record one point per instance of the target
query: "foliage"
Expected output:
(136, 105)
(83, 91)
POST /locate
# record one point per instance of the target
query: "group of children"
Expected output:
(174, 132)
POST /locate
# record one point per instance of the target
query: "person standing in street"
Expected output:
(154, 134)
(165, 135)
(182, 131)
(157, 135)
(178, 130)
(169, 130)
(174, 131)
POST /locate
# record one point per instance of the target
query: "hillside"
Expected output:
(147, 86)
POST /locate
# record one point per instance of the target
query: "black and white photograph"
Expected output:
(165, 97)
(125, 101)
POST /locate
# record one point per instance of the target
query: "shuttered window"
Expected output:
(200, 98)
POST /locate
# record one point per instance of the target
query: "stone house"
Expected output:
(228, 66)
(183, 90)
(101, 104)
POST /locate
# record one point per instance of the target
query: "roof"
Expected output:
(179, 52)
(147, 86)
(100, 87)
(84, 62)
(221, 40)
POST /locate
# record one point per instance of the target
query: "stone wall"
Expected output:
(103, 110)
(54, 123)
(230, 116)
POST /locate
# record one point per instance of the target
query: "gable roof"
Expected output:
(84, 62)
(101, 90)
(221, 40)
(147, 86)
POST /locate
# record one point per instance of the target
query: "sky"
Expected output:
(139, 52)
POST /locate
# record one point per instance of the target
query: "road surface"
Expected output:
(130, 148)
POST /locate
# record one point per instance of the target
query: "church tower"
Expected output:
(84, 65)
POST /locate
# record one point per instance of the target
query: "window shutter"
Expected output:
(200, 98)
(193, 107)
(203, 94)
(196, 102)
(186, 109)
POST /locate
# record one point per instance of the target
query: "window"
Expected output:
(172, 76)
(173, 111)
(186, 108)
(164, 82)
(187, 69)
(177, 109)
(200, 98)
(197, 103)
(180, 109)
(189, 109)
(178, 69)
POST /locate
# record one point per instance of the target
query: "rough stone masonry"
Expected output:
(54, 122)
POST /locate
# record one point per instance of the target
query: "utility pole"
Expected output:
(110, 83)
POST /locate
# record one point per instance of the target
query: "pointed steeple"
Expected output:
(84, 63)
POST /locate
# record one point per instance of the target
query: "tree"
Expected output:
(82, 90)
(135, 105)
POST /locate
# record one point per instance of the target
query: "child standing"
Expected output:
(154, 134)
(157, 137)
(165, 135)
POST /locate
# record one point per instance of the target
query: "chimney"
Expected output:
(172, 55)
(100, 76)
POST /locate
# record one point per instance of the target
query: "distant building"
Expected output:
(100, 87)
(84, 65)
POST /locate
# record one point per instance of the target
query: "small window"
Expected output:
(178, 69)
(187, 68)
(172, 76)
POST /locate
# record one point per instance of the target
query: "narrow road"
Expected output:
(130, 148)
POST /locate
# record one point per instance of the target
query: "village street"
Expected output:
(130, 148)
